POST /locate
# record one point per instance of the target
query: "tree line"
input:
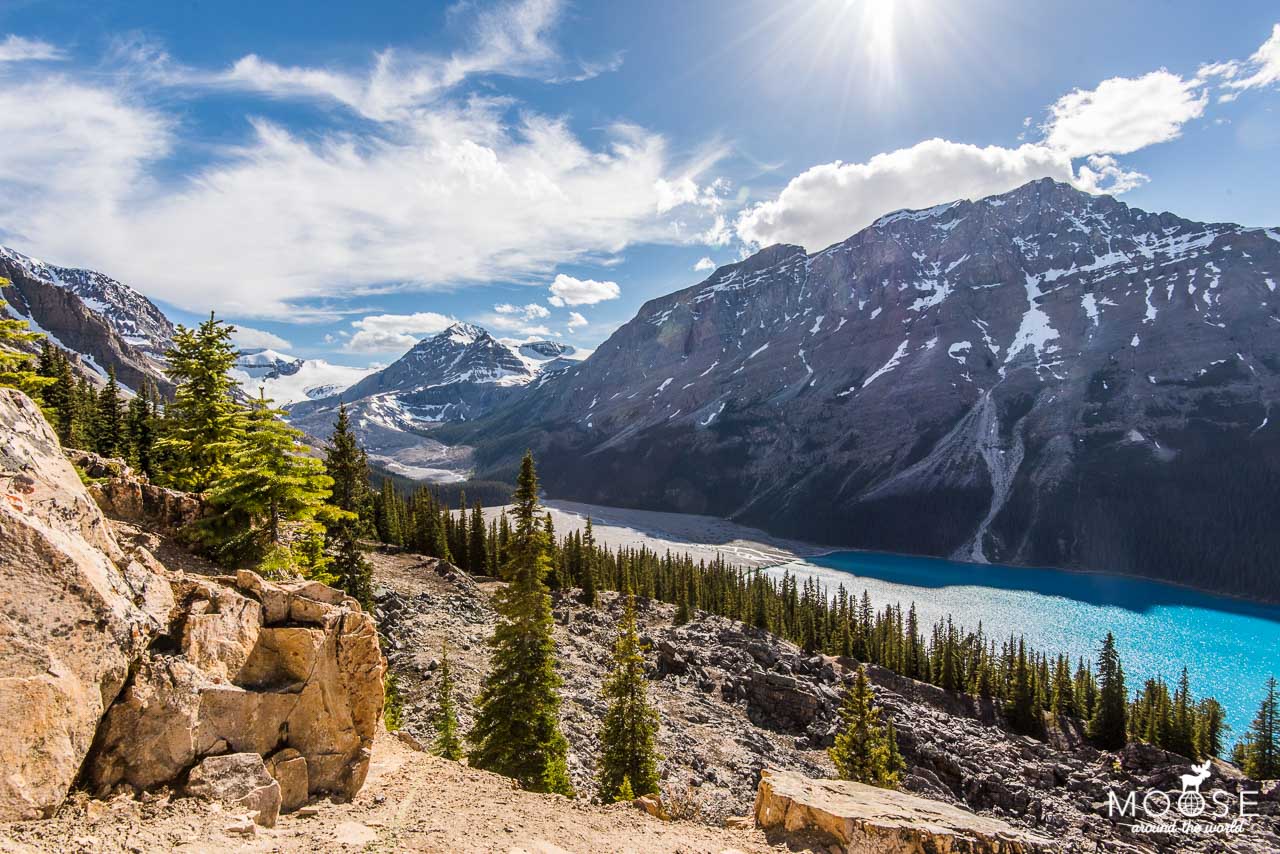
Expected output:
(273, 503)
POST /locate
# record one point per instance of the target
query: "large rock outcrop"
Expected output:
(128, 497)
(76, 610)
(249, 666)
(863, 819)
(122, 673)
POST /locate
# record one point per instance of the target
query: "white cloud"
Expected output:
(1124, 114)
(385, 333)
(18, 49)
(704, 264)
(576, 320)
(1261, 69)
(514, 323)
(566, 290)
(827, 203)
(532, 311)
(446, 188)
(1102, 174)
(248, 338)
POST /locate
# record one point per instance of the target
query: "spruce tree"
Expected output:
(588, 580)
(477, 545)
(447, 743)
(111, 432)
(347, 466)
(140, 431)
(517, 727)
(269, 479)
(203, 421)
(863, 751)
(17, 369)
(1261, 746)
(1107, 726)
(628, 752)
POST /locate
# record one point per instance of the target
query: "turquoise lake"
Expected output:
(1229, 646)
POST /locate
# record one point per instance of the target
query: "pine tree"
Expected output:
(347, 466)
(140, 430)
(477, 545)
(1107, 726)
(588, 580)
(16, 367)
(447, 743)
(628, 752)
(1064, 695)
(269, 479)
(1210, 727)
(111, 433)
(203, 426)
(865, 749)
(517, 727)
(1261, 746)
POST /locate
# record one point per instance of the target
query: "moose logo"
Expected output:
(1186, 810)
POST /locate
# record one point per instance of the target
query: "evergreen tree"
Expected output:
(1107, 726)
(517, 727)
(447, 742)
(628, 753)
(16, 367)
(1261, 746)
(111, 433)
(477, 545)
(269, 479)
(865, 750)
(1210, 726)
(588, 580)
(347, 466)
(140, 429)
(204, 420)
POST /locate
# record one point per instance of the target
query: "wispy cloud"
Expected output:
(15, 48)
(395, 333)
(438, 188)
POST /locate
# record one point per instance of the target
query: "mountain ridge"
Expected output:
(950, 382)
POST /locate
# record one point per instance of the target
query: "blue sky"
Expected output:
(340, 179)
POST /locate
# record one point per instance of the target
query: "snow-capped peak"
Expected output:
(134, 317)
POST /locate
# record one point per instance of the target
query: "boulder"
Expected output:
(126, 496)
(238, 780)
(289, 768)
(76, 610)
(280, 670)
(860, 818)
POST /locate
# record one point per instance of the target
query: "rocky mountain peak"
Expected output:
(1013, 353)
(134, 317)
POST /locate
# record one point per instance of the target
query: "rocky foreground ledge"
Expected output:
(124, 676)
(859, 818)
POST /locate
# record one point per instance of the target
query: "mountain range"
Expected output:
(458, 374)
(1044, 377)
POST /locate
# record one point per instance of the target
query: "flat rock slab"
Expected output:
(864, 819)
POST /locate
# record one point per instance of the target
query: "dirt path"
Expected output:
(411, 802)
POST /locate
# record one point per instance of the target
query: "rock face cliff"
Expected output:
(1041, 377)
(76, 610)
(119, 672)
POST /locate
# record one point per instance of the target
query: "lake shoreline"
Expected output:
(696, 534)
